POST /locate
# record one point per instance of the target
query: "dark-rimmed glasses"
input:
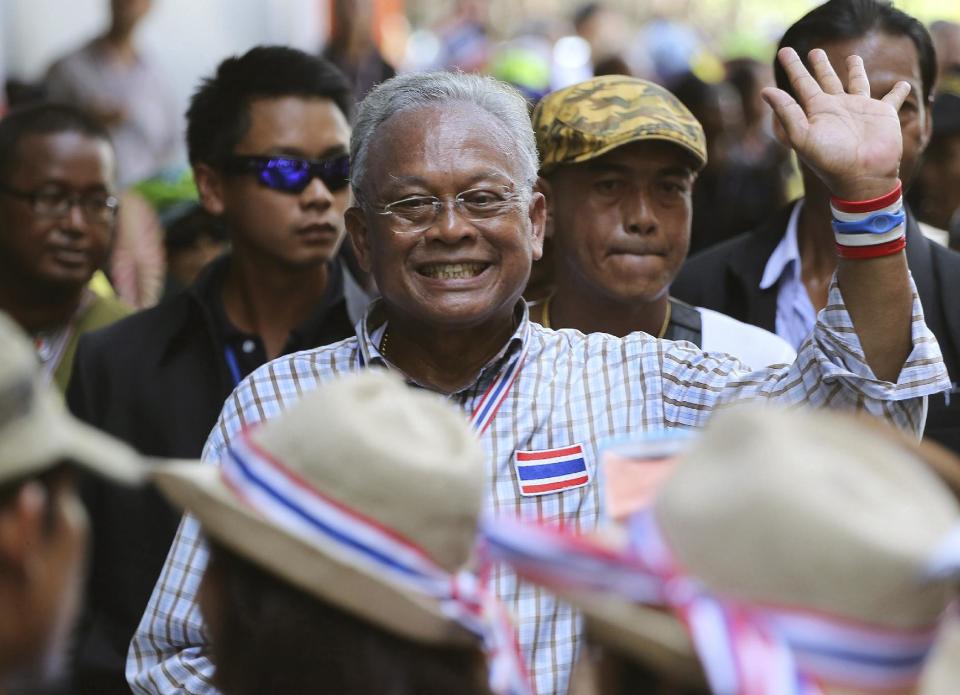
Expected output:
(292, 174)
(418, 213)
(97, 208)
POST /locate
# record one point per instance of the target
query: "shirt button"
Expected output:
(249, 346)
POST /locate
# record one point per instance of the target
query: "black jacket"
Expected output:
(726, 278)
(157, 380)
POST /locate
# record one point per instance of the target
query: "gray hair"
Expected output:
(437, 88)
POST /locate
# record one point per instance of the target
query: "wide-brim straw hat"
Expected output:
(810, 510)
(403, 459)
(36, 430)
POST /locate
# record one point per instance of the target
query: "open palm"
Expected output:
(851, 141)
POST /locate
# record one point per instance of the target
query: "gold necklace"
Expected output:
(383, 342)
(545, 318)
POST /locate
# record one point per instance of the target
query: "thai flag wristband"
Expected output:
(870, 228)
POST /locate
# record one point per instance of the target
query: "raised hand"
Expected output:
(851, 141)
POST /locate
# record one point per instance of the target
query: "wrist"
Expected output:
(870, 228)
(864, 189)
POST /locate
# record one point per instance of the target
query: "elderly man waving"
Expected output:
(448, 223)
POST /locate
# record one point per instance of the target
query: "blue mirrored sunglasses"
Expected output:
(292, 174)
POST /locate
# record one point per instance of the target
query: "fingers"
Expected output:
(824, 72)
(896, 96)
(804, 86)
(789, 113)
(857, 80)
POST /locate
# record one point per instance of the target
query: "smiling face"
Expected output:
(55, 253)
(295, 230)
(622, 220)
(457, 273)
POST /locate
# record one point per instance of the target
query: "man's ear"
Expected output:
(537, 212)
(210, 187)
(22, 527)
(927, 132)
(356, 223)
(543, 186)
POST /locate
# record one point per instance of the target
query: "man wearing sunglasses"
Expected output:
(57, 212)
(268, 139)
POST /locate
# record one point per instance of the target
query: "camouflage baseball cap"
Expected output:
(589, 119)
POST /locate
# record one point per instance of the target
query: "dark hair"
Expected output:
(187, 224)
(275, 638)
(839, 20)
(584, 13)
(42, 119)
(219, 115)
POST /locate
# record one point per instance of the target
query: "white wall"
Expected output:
(185, 38)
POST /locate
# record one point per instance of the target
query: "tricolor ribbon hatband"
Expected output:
(286, 500)
(745, 649)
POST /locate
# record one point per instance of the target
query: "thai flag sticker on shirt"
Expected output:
(551, 470)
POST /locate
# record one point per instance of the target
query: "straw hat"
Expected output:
(398, 459)
(804, 511)
(37, 432)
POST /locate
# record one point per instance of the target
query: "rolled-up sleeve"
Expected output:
(830, 371)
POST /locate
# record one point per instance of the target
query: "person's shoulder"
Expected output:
(318, 362)
(139, 328)
(574, 345)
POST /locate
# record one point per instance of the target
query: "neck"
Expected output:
(269, 300)
(573, 307)
(445, 359)
(119, 42)
(39, 310)
(815, 238)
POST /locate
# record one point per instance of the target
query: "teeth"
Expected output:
(453, 271)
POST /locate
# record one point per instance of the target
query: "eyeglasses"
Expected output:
(292, 174)
(97, 208)
(420, 212)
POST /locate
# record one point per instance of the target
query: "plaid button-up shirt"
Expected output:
(572, 389)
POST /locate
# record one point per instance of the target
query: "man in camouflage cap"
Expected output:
(619, 157)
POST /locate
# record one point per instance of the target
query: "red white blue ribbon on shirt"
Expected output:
(293, 504)
(495, 394)
(744, 649)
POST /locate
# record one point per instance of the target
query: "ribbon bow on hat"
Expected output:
(797, 549)
(293, 504)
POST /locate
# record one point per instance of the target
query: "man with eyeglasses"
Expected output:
(443, 168)
(268, 138)
(57, 211)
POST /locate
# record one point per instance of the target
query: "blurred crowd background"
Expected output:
(715, 55)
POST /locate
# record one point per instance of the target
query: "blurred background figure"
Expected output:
(58, 208)
(946, 41)
(738, 188)
(118, 85)
(607, 32)
(352, 48)
(936, 194)
(192, 238)
(464, 35)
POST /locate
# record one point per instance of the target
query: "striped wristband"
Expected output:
(870, 228)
